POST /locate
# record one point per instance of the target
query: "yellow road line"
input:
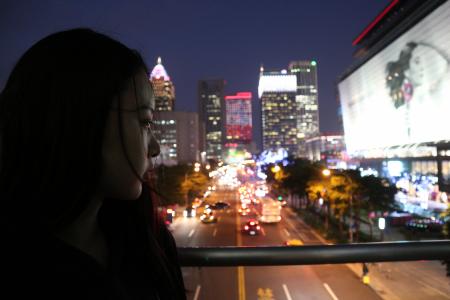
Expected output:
(241, 275)
(241, 283)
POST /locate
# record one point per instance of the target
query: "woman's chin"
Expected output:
(137, 191)
(133, 193)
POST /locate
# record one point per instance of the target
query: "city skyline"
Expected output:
(208, 40)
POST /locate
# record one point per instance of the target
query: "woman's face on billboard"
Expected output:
(426, 66)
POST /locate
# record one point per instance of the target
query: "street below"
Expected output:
(274, 282)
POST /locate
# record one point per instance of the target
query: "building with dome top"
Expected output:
(163, 88)
(176, 131)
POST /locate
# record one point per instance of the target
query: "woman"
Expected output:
(76, 147)
(416, 84)
(419, 66)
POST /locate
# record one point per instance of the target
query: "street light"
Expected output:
(276, 169)
(351, 211)
(350, 227)
(382, 226)
(196, 169)
(326, 173)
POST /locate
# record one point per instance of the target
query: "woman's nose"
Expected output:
(154, 149)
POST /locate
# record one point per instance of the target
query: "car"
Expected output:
(170, 214)
(252, 227)
(189, 212)
(220, 205)
(293, 242)
(208, 218)
(244, 210)
(399, 218)
(197, 202)
(425, 224)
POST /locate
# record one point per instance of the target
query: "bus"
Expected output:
(270, 210)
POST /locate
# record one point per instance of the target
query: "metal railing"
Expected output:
(314, 254)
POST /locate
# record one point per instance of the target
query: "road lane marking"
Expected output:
(263, 231)
(287, 232)
(321, 239)
(238, 230)
(302, 237)
(241, 283)
(197, 292)
(286, 292)
(241, 275)
(191, 233)
(330, 291)
(215, 231)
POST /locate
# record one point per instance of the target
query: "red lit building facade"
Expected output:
(238, 122)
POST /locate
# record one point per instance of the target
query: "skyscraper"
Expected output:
(177, 133)
(277, 92)
(211, 115)
(307, 101)
(289, 107)
(165, 119)
(163, 88)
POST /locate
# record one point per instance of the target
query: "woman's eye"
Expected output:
(148, 124)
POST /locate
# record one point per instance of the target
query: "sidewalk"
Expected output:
(390, 233)
(403, 280)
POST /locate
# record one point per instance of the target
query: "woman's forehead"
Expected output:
(139, 94)
(147, 97)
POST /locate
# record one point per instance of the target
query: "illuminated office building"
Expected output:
(163, 88)
(177, 134)
(289, 107)
(306, 100)
(211, 116)
(238, 122)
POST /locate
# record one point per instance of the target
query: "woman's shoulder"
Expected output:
(43, 265)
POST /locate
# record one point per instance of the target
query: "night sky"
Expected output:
(200, 39)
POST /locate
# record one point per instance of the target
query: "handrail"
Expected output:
(314, 254)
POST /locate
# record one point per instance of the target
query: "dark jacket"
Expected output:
(143, 262)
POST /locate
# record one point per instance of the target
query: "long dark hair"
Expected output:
(53, 112)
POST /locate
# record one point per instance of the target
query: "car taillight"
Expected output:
(246, 227)
(257, 227)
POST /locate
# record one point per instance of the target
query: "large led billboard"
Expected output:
(401, 96)
(238, 124)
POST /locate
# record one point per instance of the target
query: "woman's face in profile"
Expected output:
(137, 107)
(426, 66)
